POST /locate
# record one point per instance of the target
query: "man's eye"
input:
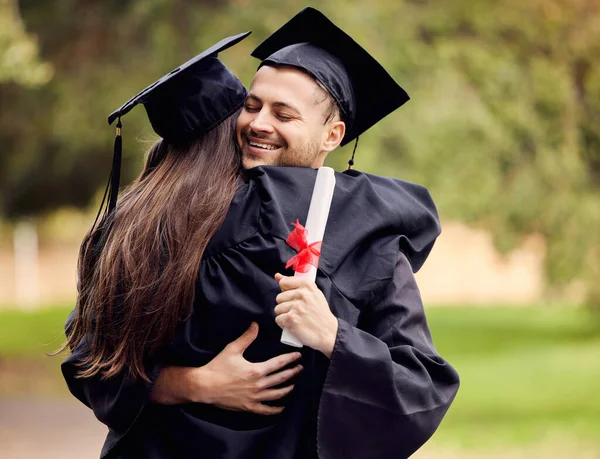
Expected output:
(249, 108)
(283, 118)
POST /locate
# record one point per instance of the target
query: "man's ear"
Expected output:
(335, 134)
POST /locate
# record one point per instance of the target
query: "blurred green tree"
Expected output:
(505, 130)
(503, 126)
(19, 62)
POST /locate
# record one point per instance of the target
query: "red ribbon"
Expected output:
(307, 254)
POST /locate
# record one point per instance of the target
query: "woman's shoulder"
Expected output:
(241, 221)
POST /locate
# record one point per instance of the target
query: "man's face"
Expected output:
(283, 121)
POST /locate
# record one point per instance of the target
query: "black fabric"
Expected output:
(363, 90)
(193, 98)
(184, 104)
(116, 402)
(385, 389)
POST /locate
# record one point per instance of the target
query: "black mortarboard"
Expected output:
(193, 98)
(184, 104)
(363, 90)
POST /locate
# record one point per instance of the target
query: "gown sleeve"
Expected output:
(386, 389)
(117, 401)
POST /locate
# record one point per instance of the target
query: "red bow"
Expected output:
(307, 254)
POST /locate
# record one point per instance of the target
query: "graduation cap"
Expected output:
(364, 92)
(182, 105)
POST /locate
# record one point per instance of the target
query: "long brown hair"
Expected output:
(138, 269)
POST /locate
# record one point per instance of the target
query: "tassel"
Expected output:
(112, 187)
(351, 161)
(115, 172)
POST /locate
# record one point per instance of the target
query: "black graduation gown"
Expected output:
(385, 389)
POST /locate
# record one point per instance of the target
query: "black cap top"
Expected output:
(193, 98)
(363, 90)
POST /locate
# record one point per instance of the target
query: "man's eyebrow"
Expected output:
(278, 104)
(286, 105)
(254, 97)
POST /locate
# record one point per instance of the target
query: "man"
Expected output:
(371, 385)
(302, 104)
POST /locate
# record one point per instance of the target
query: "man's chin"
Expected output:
(248, 162)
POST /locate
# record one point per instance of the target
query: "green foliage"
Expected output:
(503, 126)
(19, 61)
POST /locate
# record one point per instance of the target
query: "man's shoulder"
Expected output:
(367, 211)
(390, 188)
(386, 206)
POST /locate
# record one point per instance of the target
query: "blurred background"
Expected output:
(503, 128)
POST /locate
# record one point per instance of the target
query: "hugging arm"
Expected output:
(387, 389)
(116, 401)
(228, 381)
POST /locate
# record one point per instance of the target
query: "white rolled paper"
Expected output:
(316, 221)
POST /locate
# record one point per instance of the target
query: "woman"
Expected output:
(138, 267)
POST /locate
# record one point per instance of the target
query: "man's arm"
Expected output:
(228, 381)
(387, 389)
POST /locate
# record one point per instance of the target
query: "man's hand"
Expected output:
(303, 310)
(229, 381)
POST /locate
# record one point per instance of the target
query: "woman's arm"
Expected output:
(116, 401)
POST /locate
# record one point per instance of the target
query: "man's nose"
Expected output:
(261, 123)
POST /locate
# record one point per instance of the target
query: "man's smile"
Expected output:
(262, 145)
(258, 146)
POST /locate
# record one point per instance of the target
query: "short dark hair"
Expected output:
(333, 111)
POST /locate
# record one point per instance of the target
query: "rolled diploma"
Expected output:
(318, 212)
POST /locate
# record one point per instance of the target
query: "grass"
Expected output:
(528, 375)
(25, 339)
(33, 333)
